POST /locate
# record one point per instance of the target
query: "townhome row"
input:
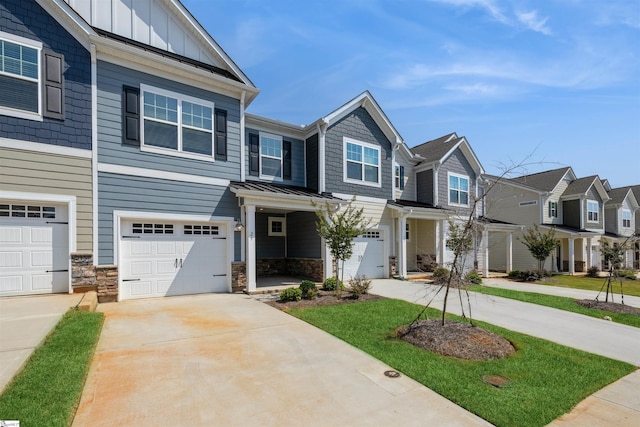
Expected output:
(130, 164)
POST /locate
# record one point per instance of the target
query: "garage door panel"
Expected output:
(140, 248)
(42, 235)
(42, 259)
(11, 260)
(10, 235)
(367, 258)
(141, 268)
(166, 266)
(10, 283)
(41, 282)
(167, 248)
(141, 288)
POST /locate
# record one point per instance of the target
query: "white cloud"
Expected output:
(533, 22)
(488, 5)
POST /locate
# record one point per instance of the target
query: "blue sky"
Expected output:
(551, 83)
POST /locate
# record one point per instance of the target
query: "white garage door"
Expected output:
(162, 259)
(368, 257)
(34, 248)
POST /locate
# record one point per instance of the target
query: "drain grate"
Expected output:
(392, 374)
(496, 380)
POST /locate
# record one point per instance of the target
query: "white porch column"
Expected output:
(250, 226)
(510, 252)
(572, 256)
(485, 252)
(243, 233)
(326, 255)
(589, 254)
(441, 242)
(402, 250)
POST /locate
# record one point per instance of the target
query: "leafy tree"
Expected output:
(338, 228)
(540, 244)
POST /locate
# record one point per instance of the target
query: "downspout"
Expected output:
(94, 152)
(242, 137)
(436, 198)
(394, 148)
(322, 132)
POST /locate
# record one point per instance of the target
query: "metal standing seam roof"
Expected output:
(276, 189)
(436, 148)
(412, 204)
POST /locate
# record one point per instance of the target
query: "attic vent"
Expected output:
(529, 203)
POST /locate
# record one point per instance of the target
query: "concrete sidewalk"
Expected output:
(230, 360)
(25, 322)
(617, 404)
(559, 291)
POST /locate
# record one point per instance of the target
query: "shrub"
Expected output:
(473, 277)
(309, 290)
(359, 285)
(593, 271)
(529, 276)
(330, 284)
(440, 275)
(627, 274)
(291, 294)
(514, 274)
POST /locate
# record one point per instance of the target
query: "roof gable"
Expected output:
(440, 149)
(546, 180)
(581, 186)
(617, 196)
(161, 24)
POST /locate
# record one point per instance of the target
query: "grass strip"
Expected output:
(561, 303)
(630, 287)
(547, 379)
(47, 391)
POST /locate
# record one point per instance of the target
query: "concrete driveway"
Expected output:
(230, 360)
(24, 323)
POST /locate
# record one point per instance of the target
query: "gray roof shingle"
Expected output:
(580, 185)
(617, 195)
(436, 148)
(545, 181)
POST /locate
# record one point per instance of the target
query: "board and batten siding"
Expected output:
(571, 212)
(458, 164)
(360, 126)
(269, 246)
(297, 159)
(302, 239)
(424, 182)
(31, 172)
(111, 79)
(131, 193)
(311, 160)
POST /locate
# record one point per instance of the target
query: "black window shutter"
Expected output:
(221, 134)
(130, 115)
(53, 86)
(286, 159)
(254, 154)
(402, 177)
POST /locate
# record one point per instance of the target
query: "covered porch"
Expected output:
(279, 242)
(579, 249)
(497, 245)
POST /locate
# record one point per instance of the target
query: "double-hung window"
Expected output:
(177, 123)
(553, 209)
(361, 163)
(593, 210)
(270, 156)
(626, 218)
(458, 190)
(20, 91)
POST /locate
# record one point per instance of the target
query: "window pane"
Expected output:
(371, 156)
(195, 141)
(464, 184)
(354, 152)
(453, 182)
(464, 198)
(354, 171)
(270, 147)
(160, 107)
(271, 167)
(370, 173)
(160, 135)
(196, 115)
(18, 94)
(453, 196)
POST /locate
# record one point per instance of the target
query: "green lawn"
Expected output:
(562, 303)
(47, 391)
(630, 287)
(547, 379)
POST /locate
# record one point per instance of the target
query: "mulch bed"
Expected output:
(612, 307)
(457, 339)
(323, 298)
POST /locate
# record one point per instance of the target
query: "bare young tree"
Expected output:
(613, 256)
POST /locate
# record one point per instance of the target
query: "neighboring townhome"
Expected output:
(555, 199)
(170, 110)
(46, 198)
(620, 222)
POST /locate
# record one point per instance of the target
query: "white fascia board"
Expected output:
(426, 166)
(160, 174)
(358, 198)
(280, 201)
(39, 147)
(468, 153)
(274, 126)
(70, 20)
(213, 46)
(132, 57)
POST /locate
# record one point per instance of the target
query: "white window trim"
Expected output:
(554, 210)
(449, 175)
(21, 114)
(281, 219)
(346, 140)
(407, 231)
(597, 211)
(270, 177)
(180, 98)
(396, 176)
(630, 219)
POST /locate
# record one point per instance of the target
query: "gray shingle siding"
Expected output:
(312, 162)
(571, 213)
(360, 126)
(297, 159)
(27, 19)
(302, 239)
(425, 186)
(458, 164)
(130, 193)
(111, 78)
(592, 194)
